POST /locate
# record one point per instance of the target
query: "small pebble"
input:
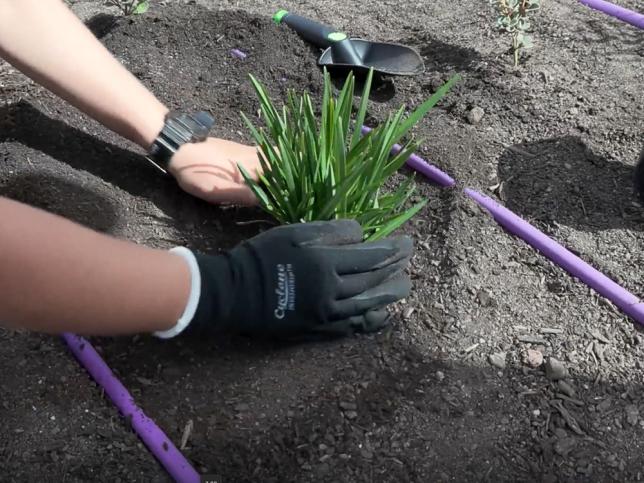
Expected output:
(366, 454)
(566, 388)
(439, 375)
(533, 358)
(497, 360)
(348, 406)
(351, 414)
(632, 414)
(475, 115)
(564, 446)
(485, 298)
(555, 369)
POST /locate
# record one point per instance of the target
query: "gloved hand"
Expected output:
(299, 280)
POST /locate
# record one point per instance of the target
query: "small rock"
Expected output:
(497, 359)
(348, 406)
(566, 388)
(366, 454)
(440, 375)
(533, 358)
(475, 115)
(241, 407)
(605, 405)
(598, 350)
(632, 414)
(564, 446)
(344, 456)
(555, 369)
(485, 298)
(351, 414)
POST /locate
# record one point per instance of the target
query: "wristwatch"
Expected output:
(179, 128)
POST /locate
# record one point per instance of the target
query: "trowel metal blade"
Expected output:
(385, 58)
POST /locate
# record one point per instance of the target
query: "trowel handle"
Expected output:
(311, 31)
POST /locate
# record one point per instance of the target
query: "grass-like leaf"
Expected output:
(324, 169)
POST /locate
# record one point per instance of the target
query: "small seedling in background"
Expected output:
(323, 170)
(513, 19)
(130, 7)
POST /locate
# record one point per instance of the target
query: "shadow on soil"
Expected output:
(562, 181)
(64, 198)
(441, 56)
(381, 411)
(101, 24)
(126, 170)
(596, 26)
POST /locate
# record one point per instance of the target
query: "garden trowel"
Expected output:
(347, 54)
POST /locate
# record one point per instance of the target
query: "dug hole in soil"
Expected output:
(449, 392)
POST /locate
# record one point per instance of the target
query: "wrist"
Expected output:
(194, 296)
(150, 125)
(178, 130)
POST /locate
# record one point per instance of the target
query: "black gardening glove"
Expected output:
(302, 279)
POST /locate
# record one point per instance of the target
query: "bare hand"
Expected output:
(208, 170)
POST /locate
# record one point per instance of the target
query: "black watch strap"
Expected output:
(178, 129)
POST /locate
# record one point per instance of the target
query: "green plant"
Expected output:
(130, 7)
(327, 170)
(513, 18)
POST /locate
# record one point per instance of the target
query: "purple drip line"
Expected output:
(629, 303)
(154, 438)
(621, 13)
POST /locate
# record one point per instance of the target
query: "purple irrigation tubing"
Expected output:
(629, 303)
(422, 166)
(154, 438)
(623, 14)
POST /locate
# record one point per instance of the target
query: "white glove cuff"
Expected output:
(193, 299)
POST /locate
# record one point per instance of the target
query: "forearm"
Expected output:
(47, 42)
(57, 276)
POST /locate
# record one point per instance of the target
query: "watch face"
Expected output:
(195, 127)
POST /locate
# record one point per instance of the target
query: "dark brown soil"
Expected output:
(419, 402)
